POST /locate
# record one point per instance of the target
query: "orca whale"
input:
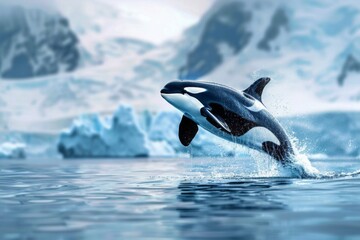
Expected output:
(237, 116)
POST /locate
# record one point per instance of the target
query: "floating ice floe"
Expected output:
(10, 150)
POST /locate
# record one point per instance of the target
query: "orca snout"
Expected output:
(172, 88)
(165, 91)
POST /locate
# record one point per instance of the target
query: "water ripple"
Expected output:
(173, 198)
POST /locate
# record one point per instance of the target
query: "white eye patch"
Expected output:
(194, 90)
(256, 107)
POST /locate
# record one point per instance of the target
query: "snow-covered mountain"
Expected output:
(119, 48)
(310, 43)
(309, 50)
(35, 42)
(225, 31)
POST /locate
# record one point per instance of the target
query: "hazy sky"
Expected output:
(30, 3)
(155, 21)
(195, 7)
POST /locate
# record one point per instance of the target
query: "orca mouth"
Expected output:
(165, 91)
(175, 87)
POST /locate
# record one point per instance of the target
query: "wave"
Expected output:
(261, 166)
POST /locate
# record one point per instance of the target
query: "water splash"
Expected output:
(249, 163)
(300, 166)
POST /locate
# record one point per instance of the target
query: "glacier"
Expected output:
(32, 144)
(12, 150)
(122, 135)
(333, 134)
(96, 137)
(145, 134)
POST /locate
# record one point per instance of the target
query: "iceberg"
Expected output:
(9, 150)
(126, 134)
(164, 127)
(93, 136)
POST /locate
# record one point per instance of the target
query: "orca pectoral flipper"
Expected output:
(187, 130)
(217, 121)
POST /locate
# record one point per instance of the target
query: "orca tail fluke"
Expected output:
(274, 150)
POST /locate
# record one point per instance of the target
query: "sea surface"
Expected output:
(180, 198)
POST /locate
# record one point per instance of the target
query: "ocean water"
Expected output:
(177, 199)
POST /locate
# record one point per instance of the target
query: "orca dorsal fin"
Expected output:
(187, 130)
(256, 89)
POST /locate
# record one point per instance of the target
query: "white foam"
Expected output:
(301, 167)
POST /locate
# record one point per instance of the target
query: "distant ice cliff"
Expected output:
(121, 135)
(10, 150)
(96, 137)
